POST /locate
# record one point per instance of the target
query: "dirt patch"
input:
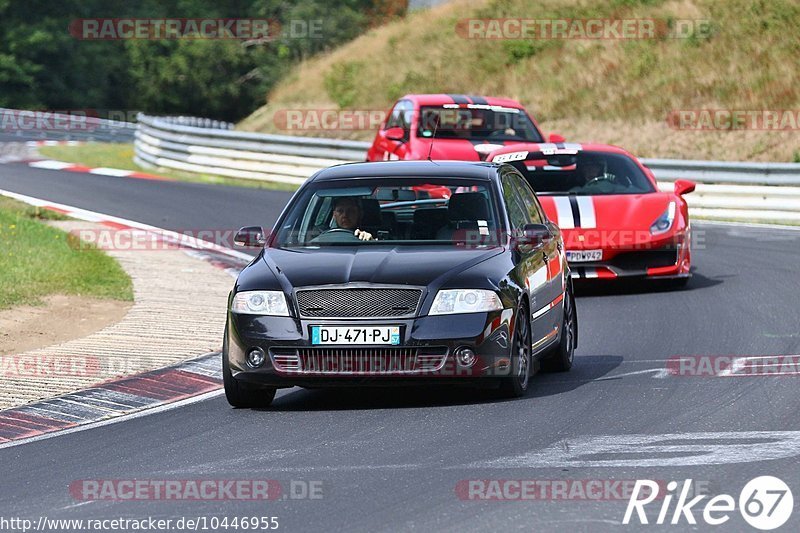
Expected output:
(61, 318)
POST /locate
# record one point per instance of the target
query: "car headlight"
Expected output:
(664, 222)
(453, 301)
(271, 303)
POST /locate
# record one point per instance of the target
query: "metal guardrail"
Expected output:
(726, 190)
(726, 172)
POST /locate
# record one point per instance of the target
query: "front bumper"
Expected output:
(657, 259)
(426, 352)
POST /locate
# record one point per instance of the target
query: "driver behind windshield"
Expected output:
(347, 213)
(590, 169)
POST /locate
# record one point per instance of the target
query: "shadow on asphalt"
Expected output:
(647, 286)
(586, 369)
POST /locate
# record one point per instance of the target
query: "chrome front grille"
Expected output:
(358, 302)
(358, 361)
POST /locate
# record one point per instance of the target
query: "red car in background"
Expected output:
(460, 127)
(615, 221)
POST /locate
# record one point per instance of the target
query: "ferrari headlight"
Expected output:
(664, 222)
(271, 303)
(453, 301)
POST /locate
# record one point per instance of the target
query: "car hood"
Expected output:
(391, 265)
(617, 211)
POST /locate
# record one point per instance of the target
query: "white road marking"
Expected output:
(659, 373)
(748, 363)
(79, 504)
(115, 172)
(669, 449)
(50, 164)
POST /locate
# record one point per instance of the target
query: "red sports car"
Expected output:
(615, 221)
(460, 127)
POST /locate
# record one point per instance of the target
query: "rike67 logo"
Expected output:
(765, 503)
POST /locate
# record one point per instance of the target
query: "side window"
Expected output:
(517, 213)
(400, 116)
(532, 206)
(394, 117)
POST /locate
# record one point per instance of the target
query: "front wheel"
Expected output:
(242, 394)
(561, 357)
(516, 384)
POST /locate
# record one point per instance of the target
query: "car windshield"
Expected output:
(477, 122)
(584, 173)
(399, 211)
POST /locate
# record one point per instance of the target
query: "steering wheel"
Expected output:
(611, 178)
(501, 133)
(336, 235)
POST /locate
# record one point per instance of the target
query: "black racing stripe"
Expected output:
(459, 98)
(581, 272)
(479, 100)
(576, 212)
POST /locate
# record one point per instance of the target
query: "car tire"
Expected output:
(561, 357)
(516, 384)
(243, 395)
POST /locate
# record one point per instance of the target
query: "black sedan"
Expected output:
(401, 273)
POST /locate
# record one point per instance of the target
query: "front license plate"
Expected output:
(583, 256)
(358, 335)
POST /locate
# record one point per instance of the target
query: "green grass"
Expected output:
(118, 155)
(36, 260)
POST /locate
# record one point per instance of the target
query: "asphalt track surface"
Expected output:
(392, 459)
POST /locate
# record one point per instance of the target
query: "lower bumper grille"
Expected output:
(644, 259)
(358, 361)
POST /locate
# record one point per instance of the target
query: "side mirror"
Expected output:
(555, 138)
(684, 187)
(395, 134)
(250, 236)
(535, 235)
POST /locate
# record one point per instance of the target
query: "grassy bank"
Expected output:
(36, 260)
(116, 155)
(609, 90)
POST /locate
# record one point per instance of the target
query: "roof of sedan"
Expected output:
(442, 99)
(429, 169)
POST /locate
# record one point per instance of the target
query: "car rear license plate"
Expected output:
(355, 335)
(583, 256)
